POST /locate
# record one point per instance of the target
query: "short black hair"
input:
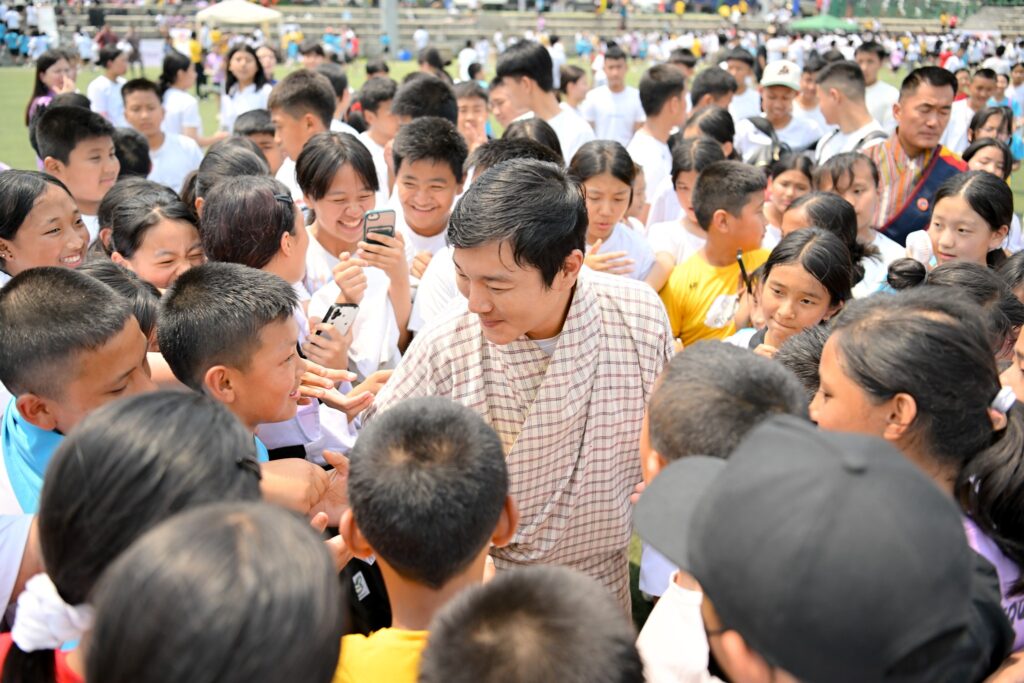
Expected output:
(140, 85)
(708, 398)
(143, 296)
(108, 54)
(470, 89)
(527, 59)
(214, 314)
(714, 82)
(532, 205)
(682, 56)
(532, 624)
(254, 122)
(568, 74)
(408, 466)
(725, 185)
(534, 128)
(801, 355)
(375, 92)
(426, 96)
(430, 139)
(738, 54)
(335, 74)
(493, 152)
(324, 154)
(659, 84)
(844, 76)
(874, 48)
(814, 63)
(987, 74)
(48, 316)
(233, 156)
(935, 76)
(304, 92)
(474, 69)
(60, 129)
(132, 150)
(613, 51)
(311, 46)
(694, 154)
(376, 66)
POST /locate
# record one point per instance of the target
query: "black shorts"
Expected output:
(14, 51)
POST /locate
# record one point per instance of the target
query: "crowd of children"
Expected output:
(367, 374)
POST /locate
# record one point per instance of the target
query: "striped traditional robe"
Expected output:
(570, 424)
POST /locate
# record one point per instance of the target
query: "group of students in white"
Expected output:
(196, 347)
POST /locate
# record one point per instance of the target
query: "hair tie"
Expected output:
(1004, 400)
(286, 198)
(44, 621)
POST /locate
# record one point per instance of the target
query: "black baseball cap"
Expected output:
(831, 554)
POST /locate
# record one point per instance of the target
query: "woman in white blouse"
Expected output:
(246, 87)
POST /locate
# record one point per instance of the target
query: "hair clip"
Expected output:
(1004, 400)
(250, 463)
(286, 198)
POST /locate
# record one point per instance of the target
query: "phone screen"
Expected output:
(378, 222)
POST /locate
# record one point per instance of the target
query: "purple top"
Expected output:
(1007, 572)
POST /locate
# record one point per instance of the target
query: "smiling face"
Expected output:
(339, 213)
(91, 170)
(427, 191)
(777, 103)
(511, 300)
(267, 389)
(792, 300)
(168, 249)
(990, 160)
(52, 234)
(144, 113)
(607, 202)
(959, 234)
(787, 187)
(981, 89)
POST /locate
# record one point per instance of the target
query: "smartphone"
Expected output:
(378, 222)
(341, 316)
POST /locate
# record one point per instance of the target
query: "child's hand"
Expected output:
(638, 490)
(350, 278)
(420, 263)
(328, 349)
(352, 403)
(389, 256)
(766, 350)
(66, 85)
(614, 262)
(374, 383)
(317, 381)
(336, 546)
(331, 493)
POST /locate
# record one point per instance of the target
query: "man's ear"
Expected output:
(508, 522)
(37, 411)
(897, 111)
(309, 121)
(53, 166)
(354, 538)
(218, 383)
(566, 277)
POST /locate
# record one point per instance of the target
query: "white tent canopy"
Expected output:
(237, 12)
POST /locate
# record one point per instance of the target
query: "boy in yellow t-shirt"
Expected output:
(701, 293)
(428, 489)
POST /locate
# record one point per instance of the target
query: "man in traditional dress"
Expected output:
(559, 362)
(913, 163)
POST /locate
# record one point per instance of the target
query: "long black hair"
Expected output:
(988, 196)
(39, 89)
(174, 63)
(138, 206)
(19, 191)
(260, 79)
(820, 253)
(831, 212)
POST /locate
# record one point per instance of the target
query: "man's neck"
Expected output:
(554, 327)
(87, 208)
(110, 75)
(911, 151)
(378, 137)
(976, 106)
(868, 85)
(853, 117)
(430, 230)
(617, 89)
(545, 106)
(414, 605)
(658, 127)
(156, 141)
(806, 103)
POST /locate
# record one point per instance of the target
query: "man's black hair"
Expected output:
(426, 96)
(493, 152)
(658, 85)
(255, 122)
(375, 92)
(935, 76)
(527, 59)
(304, 92)
(132, 150)
(714, 82)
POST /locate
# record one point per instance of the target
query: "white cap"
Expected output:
(782, 72)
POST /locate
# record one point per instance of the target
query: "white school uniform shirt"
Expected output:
(813, 114)
(746, 105)
(286, 176)
(437, 293)
(375, 330)
(380, 165)
(635, 246)
(672, 238)
(92, 224)
(416, 243)
(772, 236)
(175, 159)
(1014, 241)
(879, 98)
(665, 206)
(105, 99)
(181, 111)
(876, 269)
(955, 135)
(673, 643)
(241, 100)
(14, 530)
(654, 157)
(799, 134)
(839, 142)
(613, 115)
(339, 126)
(573, 132)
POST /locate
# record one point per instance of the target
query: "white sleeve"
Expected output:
(673, 644)
(190, 117)
(14, 530)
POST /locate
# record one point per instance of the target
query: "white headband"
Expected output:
(44, 621)
(1004, 400)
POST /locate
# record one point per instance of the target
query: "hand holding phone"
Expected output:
(378, 222)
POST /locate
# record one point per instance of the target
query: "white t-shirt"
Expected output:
(14, 531)
(92, 224)
(799, 134)
(673, 644)
(175, 159)
(879, 98)
(240, 101)
(839, 142)
(181, 111)
(654, 157)
(1014, 241)
(13, 20)
(876, 269)
(105, 99)
(380, 165)
(672, 238)
(573, 132)
(665, 206)
(286, 176)
(746, 105)
(467, 57)
(613, 115)
(813, 114)
(955, 136)
(339, 126)
(437, 293)
(635, 246)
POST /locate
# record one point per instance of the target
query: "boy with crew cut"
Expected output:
(424, 95)
(77, 147)
(301, 105)
(983, 86)
(259, 127)
(173, 156)
(840, 88)
(879, 95)
(472, 100)
(701, 293)
(429, 155)
(663, 96)
(527, 72)
(747, 100)
(614, 110)
(70, 345)
(712, 87)
(535, 624)
(336, 76)
(428, 489)
(375, 99)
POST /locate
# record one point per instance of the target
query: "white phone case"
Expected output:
(343, 318)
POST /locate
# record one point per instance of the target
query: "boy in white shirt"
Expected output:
(301, 105)
(614, 110)
(663, 95)
(807, 104)
(104, 91)
(381, 127)
(173, 156)
(258, 127)
(880, 96)
(841, 93)
(780, 85)
(747, 100)
(983, 86)
(335, 75)
(526, 71)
